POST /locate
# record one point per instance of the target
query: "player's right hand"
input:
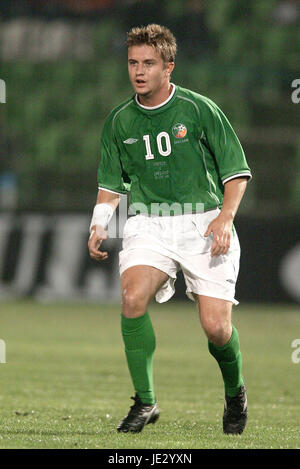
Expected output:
(98, 234)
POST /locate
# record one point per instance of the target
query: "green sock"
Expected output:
(229, 358)
(139, 340)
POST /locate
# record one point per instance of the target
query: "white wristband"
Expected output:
(101, 215)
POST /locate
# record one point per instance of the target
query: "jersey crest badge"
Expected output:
(179, 130)
(130, 141)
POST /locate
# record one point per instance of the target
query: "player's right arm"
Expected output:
(110, 184)
(106, 204)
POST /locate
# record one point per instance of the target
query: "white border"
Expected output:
(108, 190)
(150, 108)
(248, 175)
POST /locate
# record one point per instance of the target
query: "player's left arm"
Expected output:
(233, 170)
(221, 226)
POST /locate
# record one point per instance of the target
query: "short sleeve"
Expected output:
(224, 143)
(110, 172)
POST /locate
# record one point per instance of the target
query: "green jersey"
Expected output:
(180, 152)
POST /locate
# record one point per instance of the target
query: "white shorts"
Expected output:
(173, 243)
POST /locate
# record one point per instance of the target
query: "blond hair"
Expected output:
(154, 35)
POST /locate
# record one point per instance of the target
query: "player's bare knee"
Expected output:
(217, 331)
(133, 305)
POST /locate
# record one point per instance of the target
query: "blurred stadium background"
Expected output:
(64, 67)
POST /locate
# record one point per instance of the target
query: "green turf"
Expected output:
(66, 384)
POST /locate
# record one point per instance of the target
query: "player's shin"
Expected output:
(139, 340)
(229, 359)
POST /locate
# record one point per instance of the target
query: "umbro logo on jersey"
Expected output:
(130, 141)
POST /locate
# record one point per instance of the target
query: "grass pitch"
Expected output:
(66, 384)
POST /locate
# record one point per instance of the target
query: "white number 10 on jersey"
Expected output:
(164, 148)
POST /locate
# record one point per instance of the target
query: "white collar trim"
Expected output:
(159, 105)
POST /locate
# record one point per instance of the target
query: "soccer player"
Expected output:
(176, 154)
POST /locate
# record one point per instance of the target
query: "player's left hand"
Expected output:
(221, 228)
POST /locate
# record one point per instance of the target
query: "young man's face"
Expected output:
(147, 71)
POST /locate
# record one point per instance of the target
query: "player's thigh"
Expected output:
(139, 285)
(215, 316)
